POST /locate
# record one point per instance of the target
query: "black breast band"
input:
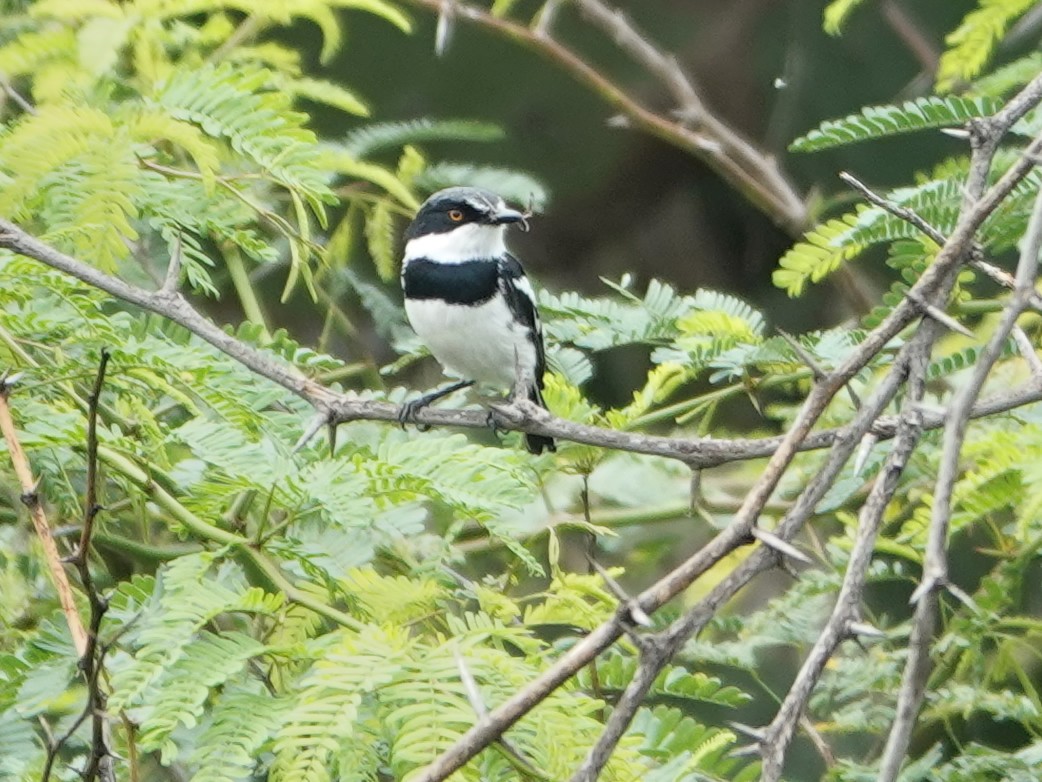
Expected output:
(470, 282)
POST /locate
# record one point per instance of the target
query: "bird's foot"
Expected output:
(490, 422)
(407, 415)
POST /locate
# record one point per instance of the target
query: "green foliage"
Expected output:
(836, 14)
(874, 122)
(972, 43)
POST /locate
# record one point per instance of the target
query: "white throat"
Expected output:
(466, 243)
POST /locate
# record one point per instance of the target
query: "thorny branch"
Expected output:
(845, 617)
(99, 765)
(100, 762)
(935, 568)
(933, 288)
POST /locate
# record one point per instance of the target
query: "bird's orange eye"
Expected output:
(455, 215)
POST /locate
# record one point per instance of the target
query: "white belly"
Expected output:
(479, 342)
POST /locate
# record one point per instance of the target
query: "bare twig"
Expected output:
(99, 765)
(1000, 276)
(935, 567)
(636, 612)
(470, 686)
(91, 506)
(655, 653)
(698, 131)
(17, 97)
(913, 38)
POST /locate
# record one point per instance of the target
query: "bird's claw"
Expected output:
(490, 422)
(407, 415)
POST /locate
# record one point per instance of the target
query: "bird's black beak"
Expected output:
(505, 216)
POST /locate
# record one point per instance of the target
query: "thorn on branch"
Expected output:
(859, 630)
(748, 751)
(446, 27)
(173, 269)
(320, 419)
(756, 734)
(1027, 351)
(930, 583)
(545, 20)
(962, 596)
(937, 314)
(633, 609)
(864, 450)
(779, 545)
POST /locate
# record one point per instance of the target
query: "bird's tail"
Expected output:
(537, 443)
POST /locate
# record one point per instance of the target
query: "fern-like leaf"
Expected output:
(179, 695)
(380, 236)
(239, 725)
(875, 122)
(819, 254)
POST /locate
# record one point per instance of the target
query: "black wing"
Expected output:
(520, 299)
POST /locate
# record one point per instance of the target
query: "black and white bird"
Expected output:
(469, 300)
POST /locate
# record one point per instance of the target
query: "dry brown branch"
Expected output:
(31, 500)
